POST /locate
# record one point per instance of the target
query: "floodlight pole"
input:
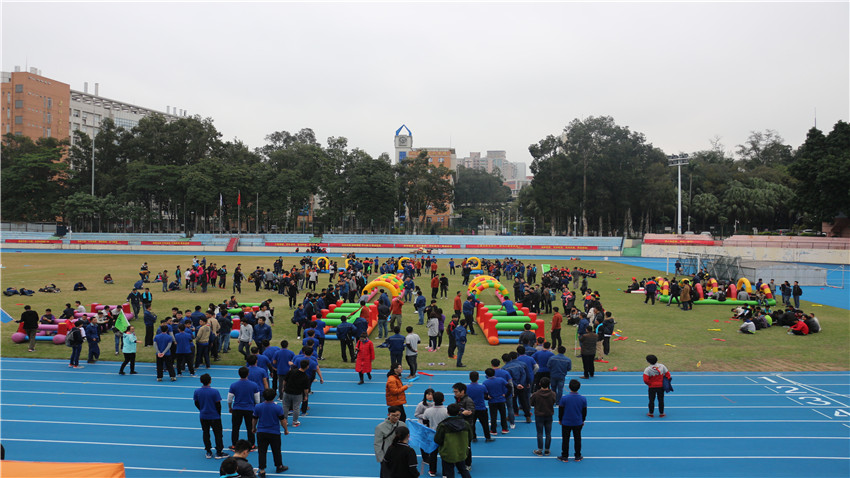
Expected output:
(678, 161)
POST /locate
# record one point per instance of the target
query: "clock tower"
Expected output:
(403, 144)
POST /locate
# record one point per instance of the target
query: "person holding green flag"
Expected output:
(129, 341)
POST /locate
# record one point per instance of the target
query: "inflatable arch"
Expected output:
(392, 279)
(766, 289)
(402, 260)
(491, 284)
(478, 279)
(327, 263)
(712, 285)
(477, 263)
(746, 283)
(379, 283)
(665, 288)
(347, 262)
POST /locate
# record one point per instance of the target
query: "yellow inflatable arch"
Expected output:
(379, 283)
(746, 282)
(487, 285)
(477, 262)
(478, 279)
(327, 263)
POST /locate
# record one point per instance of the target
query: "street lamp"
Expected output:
(678, 161)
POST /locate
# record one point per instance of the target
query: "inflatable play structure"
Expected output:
(474, 264)
(497, 325)
(323, 267)
(56, 331)
(731, 293)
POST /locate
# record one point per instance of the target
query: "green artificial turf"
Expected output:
(691, 345)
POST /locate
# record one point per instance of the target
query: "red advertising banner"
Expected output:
(171, 243)
(33, 241)
(119, 243)
(681, 242)
(357, 244)
(497, 246)
(567, 248)
(291, 244)
(431, 246)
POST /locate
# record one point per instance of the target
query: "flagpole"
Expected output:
(258, 213)
(220, 201)
(239, 215)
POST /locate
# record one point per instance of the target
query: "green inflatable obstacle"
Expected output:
(514, 326)
(770, 302)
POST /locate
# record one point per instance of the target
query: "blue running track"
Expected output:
(717, 424)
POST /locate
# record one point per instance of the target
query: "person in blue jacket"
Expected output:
(469, 312)
(164, 359)
(262, 331)
(460, 342)
(572, 412)
(208, 402)
(395, 343)
(93, 338)
(184, 350)
(419, 305)
(559, 365)
(268, 418)
(281, 363)
(242, 396)
(478, 394)
(497, 389)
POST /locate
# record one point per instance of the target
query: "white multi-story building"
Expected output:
(87, 111)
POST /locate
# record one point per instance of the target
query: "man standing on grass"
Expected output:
(411, 350)
(208, 402)
(30, 320)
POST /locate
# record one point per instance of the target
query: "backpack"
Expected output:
(69, 337)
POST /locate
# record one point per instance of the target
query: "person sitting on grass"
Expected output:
(800, 328)
(107, 279)
(748, 327)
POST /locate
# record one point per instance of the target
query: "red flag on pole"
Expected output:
(239, 199)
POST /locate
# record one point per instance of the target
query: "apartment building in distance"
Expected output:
(513, 172)
(438, 156)
(36, 106)
(33, 105)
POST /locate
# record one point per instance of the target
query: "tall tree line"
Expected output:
(600, 178)
(594, 178)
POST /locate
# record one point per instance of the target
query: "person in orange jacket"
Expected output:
(395, 389)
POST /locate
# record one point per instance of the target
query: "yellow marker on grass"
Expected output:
(609, 400)
(714, 330)
(670, 345)
(641, 341)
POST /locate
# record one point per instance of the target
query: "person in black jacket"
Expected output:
(400, 460)
(240, 455)
(30, 320)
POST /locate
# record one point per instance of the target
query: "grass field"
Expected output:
(687, 332)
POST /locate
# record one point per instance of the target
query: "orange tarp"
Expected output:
(41, 469)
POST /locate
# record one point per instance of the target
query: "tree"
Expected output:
(33, 177)
(822, 169)
(764, 149)
(477, 193)
(423, 187)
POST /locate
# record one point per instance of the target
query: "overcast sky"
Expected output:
(474, 76)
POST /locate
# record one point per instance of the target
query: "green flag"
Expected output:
(121, 322)
(545, 267)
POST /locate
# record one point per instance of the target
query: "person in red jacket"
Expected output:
(800, 328)
(653, 377)
(365, 357)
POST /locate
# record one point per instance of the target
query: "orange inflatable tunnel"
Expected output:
(42, 469)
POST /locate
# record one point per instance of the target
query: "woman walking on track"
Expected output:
(365, 356)
(653, 377)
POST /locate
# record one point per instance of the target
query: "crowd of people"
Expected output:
(277, 377)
